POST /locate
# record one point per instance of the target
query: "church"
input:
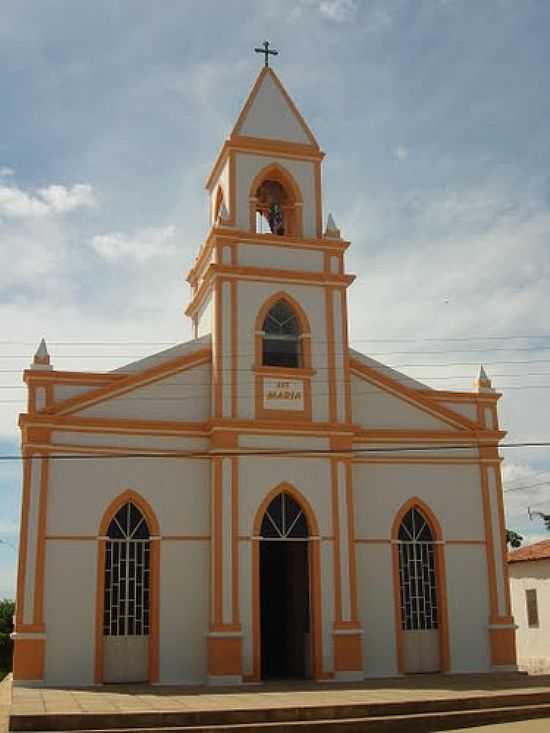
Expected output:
(261, 502)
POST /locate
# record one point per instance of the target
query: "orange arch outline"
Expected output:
(220, 196)
(441, 583)
(305, 333)
(314, 560)
(277, 172)
(154, 529)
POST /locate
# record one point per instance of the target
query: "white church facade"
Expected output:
(262, 501)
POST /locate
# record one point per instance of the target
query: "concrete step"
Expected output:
(425, 722)
(490, 707)
(216, 717)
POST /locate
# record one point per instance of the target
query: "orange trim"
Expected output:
(502, 538)
(346, 357)
(234, 349)
(130, 383)
(331, 359)
(318, 199)
(224, 656)
(348, 653)
(456, 437)
(217, 350)
(79, 378)
(336, 549)
(73, 423)
(217, 542)
(491, 572)
(441, 584)
(503, 647)
(351, 544)
(38, 616)
(314, 556)
(235, 539)
(154, 530)
(268, 71)
(23, 536)
(28, 659)
(413, 397)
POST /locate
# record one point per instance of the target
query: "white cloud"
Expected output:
(339, 11)
(142, 245)
(401, 152)
(61, 199)
(5, 172)
(55, 199)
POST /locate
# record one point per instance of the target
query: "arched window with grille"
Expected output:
(418, 588)
(126, 608)
(281, 337)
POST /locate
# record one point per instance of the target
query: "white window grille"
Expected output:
(284, 520)
(417, 573)
(127, 574)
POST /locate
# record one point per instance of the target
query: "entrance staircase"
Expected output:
(410, 716)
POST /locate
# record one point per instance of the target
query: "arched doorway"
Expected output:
(285, 598)
(127, 597)
(419, 593)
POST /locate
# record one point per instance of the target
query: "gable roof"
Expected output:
(137, 374)
(270, 113)
(407, 389)
(536, 551)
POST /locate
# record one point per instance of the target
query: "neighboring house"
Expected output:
(262, 501)
(529, 570)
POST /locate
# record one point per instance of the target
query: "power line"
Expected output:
(283, 452)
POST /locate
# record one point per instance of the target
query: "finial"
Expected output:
(267, 52)
(332, 230)
(223, 214)
(483, 383)
(41, 358)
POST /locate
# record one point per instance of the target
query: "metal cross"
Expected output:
(266, 51)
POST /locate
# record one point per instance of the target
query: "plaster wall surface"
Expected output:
(248, 166)
(468, 410)
(65, 391)
(144, 442)
(375, 408)
(453, 493)
(181, 396)
(533, 644)
(375, 597)
(81, 491)
(261, 122)
(69, 611)
(253, 255)
(260, 475)
(468, 608)
(223, 181)
(251, 297)
(184, 607)
(204, 317)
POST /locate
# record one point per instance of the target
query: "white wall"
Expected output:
(69, 611)
(256, 255)
(533, 644)
(182, 396)
(251, 297)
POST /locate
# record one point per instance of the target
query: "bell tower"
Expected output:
(268, 268)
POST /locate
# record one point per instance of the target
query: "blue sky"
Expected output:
(434, 115)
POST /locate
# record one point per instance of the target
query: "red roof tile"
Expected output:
(536, 551)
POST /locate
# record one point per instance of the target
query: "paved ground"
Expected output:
(5, 687)
(136, 698)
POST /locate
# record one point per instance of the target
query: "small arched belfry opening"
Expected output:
(420, 592)
(127, 603)
(275, 203)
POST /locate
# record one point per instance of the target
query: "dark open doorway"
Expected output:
(284, 591)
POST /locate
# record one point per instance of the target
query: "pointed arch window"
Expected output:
(127, 574)
(417, 573)
(281, 337)
(284, 519)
